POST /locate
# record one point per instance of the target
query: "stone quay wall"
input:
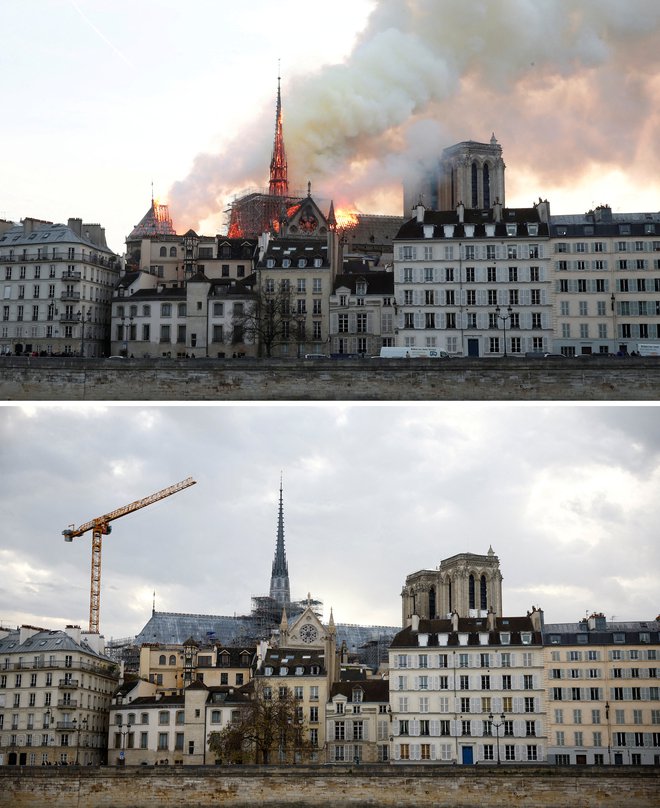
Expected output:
(74, 379)
(329, 787)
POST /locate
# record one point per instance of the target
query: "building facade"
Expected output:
(603, 696)
(606, 277)
(475, 282)
(468, 690)
(55, 692)
(362, 318)
(57, 290)
(357, 718)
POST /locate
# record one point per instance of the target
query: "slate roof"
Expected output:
(294, 249)
(174, 628)
(378, 282)
(412, 229)
(45, 641)
(374, 690)
(467, 625)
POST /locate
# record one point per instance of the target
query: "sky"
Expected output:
(102, 98)
(565, 495)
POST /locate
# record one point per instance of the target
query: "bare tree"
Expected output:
(269, 728)
(269, 320)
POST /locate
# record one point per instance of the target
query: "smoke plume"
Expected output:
(568, 87)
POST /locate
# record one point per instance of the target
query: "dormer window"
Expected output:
(533, 229)
(526, 638)
(511, 229)
(284, 670)
(268, 671)
(361, 288)
(357, 695)
(270, 263)
(505, 637)
(286, 262)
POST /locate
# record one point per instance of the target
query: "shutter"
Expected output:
(415, 682)
(434, 752)
(395, 727)
(365, 730)
(434, 728)
(414, 727)
(397, 752)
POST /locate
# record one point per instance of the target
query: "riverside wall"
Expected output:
(512, 379)
(329, 787)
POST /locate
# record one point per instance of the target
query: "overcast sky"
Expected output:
(103, 97)
(566, 496)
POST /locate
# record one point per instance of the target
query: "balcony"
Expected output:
(70, 296)
(68, 683)
(66, 726)
(67, 705)
(71, 276)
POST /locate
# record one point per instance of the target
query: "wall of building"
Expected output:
(57, 379)
(236, 787)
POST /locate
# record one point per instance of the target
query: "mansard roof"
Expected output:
(292, 659)
(378, 282)
(473, 627)
(294, 249)
(522, 217)
(374, 690)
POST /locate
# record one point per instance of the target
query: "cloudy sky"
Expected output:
(566, 496)
(182, 95)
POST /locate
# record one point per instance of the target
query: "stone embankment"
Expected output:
(62, 379)
(329, 787)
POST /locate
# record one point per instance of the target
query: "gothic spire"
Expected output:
(279, 184)
(279, 580)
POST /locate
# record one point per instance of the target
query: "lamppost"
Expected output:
(504, 318)
(609, 733)
(83, 321)
(497, 726)
(126, 332)
(79, 729)
(123, 733)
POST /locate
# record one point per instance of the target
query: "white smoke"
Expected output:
(566, 85)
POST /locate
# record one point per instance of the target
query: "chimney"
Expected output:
(491, 619)
(454, 620)
(76, 226)
(415, 622)
(420, 210)
(460, 210)
(497, 211)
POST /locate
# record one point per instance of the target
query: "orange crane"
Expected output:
(101, 527)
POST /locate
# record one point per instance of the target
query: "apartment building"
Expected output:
(468, 690)
(606, 278)
(603, 696)
(55, 692)
(475, 282)
(357, 719)
(57, 290)
(362, 313)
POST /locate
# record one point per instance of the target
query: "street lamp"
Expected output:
(497, 726)
(79, 729)
(126, 332)
(83, 320)
(123, 733)
(504, 318)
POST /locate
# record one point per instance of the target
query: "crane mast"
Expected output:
(101, 527)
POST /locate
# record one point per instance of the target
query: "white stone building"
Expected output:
(57, 288)
(475, 282)
(55, 692)
(468, 690)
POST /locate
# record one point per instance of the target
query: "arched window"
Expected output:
(484, 594)
(486, 179)
(471, 593)
(161, 659)
(475, 188)
(172, 659)
(172, 252)
(163, 252)
(432, 603)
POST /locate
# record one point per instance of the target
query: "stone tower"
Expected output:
(468, 584)
(470, 173)
(279, 579)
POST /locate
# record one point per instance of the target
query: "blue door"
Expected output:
(468, 757)
(473, 347)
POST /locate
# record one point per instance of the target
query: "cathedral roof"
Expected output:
(155, 222)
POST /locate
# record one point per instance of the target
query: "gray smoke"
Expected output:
(566, 85)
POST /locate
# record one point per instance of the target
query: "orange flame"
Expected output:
(346, 219)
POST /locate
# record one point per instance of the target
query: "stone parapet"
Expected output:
(328, 787)
(74, 379)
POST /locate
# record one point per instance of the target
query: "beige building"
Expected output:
(603, 698)
(606, 277)
(57, 290)
(55, 692)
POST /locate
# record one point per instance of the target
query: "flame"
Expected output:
(346, 219)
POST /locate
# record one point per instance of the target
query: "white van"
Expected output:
(413, 353)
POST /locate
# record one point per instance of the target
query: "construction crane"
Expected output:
(101, 527)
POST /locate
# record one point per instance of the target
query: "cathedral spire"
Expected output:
(279, 580)
(279, 184)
